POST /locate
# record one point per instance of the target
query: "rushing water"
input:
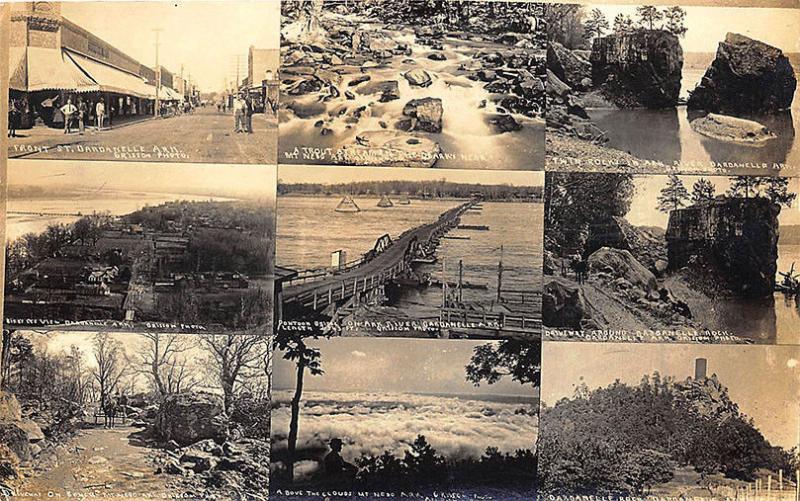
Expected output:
(666, 135)
(117, 204)
(309, 231)
(466, 130)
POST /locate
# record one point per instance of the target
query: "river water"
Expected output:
(466, 131)
(309, 230)
(116, 203)
(666, 135)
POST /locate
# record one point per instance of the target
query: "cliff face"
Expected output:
(733, 239)
(641, 69)
(747, 76)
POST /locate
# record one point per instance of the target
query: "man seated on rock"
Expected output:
(337, 470)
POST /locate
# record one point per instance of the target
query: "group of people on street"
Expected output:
(80, 114)
(243, 113)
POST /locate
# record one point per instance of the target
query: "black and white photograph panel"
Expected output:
(126, 246)
(410, 252)
(663, 89)
(685, 422)
(413, 83)
(672, 258)
(134, 416)
(146, 81)
(404, 418)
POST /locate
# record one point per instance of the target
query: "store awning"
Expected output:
(111, 79)
(169, 94)
(36, 68)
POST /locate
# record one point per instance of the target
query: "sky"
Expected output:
(707, 26)
(395, 365)
(335, 175)
(643, 210)
(245, 181)
(205, 37)
(763, 380)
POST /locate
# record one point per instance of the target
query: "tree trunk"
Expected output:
(293, 424)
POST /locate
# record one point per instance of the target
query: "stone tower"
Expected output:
(700, 369)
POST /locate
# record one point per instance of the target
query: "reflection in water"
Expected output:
(775, 151)
(637, 131)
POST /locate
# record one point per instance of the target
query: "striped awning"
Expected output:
(111, 79)
(36, 68)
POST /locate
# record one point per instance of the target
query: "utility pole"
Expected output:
(157, 106)
(500, 275)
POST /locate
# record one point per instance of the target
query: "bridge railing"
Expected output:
(487, 320)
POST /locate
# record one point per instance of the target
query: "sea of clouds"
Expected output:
(371, 423)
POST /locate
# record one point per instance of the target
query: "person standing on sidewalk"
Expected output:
(14, 114)
(238, 113)
(248, 114)
(100, 112)
(82, 110)
(68, 110)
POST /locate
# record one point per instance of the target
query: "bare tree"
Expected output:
(110, 369)
(162, 362)
(235, 358)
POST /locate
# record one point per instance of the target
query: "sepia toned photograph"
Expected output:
(125, 246)
(144, 81)
(404, 418)
(673, 258)
(411, 83)
(419, 254)
(134, 416)
(662, 89)
(688, 422)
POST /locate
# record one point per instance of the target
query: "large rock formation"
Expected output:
(747, 76)
(570, 67)
(622, 265)
(708, 397)
(641, 69)
(190, 417)
(563, 305)
(645, 244)
(730, 242)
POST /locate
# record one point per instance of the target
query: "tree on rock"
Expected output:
(623, 25)
(596, 25)
(777, 190)
(676, 20)
(649, 16)
(745, 186)
(702, 191)
(673, 196)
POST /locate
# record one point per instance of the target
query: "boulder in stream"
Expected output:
(426, 114)
(418, 77)
(732, 129)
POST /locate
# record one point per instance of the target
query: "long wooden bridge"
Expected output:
(43, 213)
(325, 291)
(318, 289)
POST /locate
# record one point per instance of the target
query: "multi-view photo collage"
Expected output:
(425, 249)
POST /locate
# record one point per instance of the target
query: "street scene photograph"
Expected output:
(686, 89)
(657, 258)
(144, 81)
(422, 253)
(409, 83)
(136, 416)
(125, 245)
(404, 418)
(688, 422)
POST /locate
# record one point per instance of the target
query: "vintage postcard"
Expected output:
(415, 252)
(129, 246)
(670, 89)
(135, 416)
(404, 418)
(678, 422)
(144, 81)
(671, 258)
(445, 84)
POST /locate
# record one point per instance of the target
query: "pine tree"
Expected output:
(649, 16)
(746, 186)
(623, 25)
(702, 191)
(673, 196)
(777, 190)
(596, 25)
(676, 20)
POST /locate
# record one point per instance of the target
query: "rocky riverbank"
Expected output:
(369, 93)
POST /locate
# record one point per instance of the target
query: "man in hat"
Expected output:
(336, 468)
